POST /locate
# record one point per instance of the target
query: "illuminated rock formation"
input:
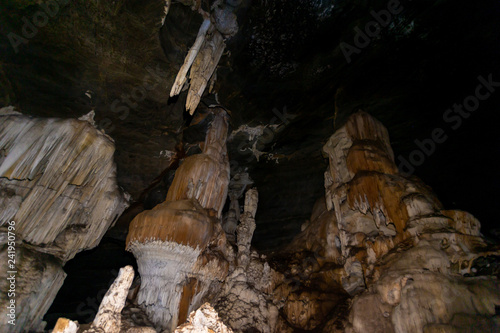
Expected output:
(57, 185)
(180, 245)
(386, 239)
(205, 177)
(169, 243)
(245, 303)
(108, 318)
(38, 277)
(111, 317)
(203, 57)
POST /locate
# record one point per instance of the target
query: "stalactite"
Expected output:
(193, 52)
(203, 57)
(203, 68)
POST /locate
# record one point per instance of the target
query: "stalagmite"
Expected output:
(58, 191)
(179, 244)
(407, 264)
(166, 243)
(108, 318)
(205, 177)
(111, 316)
(64, 325)
(237, 187)
(246, 227)
(245, 302)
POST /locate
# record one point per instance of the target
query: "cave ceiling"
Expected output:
(284, 80)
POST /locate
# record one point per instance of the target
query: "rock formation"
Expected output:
(387, 240)
(237, 187)
(205, 177)
(110, 317)
(379, 253)
(245, 303)
(58, 196)
(180, 245)
(205, 319)
(203, 57)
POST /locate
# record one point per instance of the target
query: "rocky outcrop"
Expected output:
(58, 197)
(58, 183)
(33, 283)
(419, 292)
(180, 245)
(386, 240)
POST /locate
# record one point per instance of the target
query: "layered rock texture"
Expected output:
(58, 196)
(379, 254)
(386, 240)
(180, 245)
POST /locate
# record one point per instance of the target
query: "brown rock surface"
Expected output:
(205, 177)
(409, 265)
(180, 245)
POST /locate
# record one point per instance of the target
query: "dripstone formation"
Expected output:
(180, 245)
(58, 190)
(405, 263)
(379, 254)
